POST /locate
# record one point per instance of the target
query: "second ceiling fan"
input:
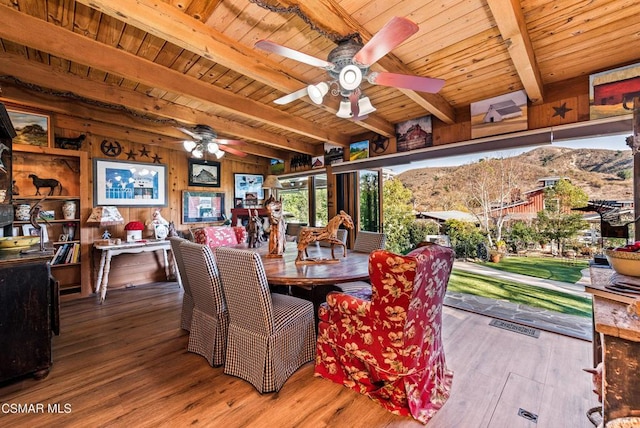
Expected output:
(205, 140)
(348, 64)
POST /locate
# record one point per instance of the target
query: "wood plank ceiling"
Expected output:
(189, 62)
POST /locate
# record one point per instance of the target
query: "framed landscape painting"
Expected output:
(204, 173)
(32, 128)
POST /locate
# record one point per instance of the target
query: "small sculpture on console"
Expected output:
(254, 229)
(278, 226)
(328, 233)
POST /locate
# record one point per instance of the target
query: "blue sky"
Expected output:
(614, 142)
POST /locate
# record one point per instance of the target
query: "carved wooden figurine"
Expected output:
(277, 233)
(328, 233)
(254, 229)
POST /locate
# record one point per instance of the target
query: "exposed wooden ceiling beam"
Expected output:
(510, 20)
(332, 17)
(44, 76)
(37, 34)
(169, 23)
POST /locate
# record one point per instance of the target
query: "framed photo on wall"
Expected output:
(32, 128)
(133, 184)
(204, 173)
(248, 183)
(202, 207)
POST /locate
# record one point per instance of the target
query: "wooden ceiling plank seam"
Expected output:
(510, 21)
(42, 75)
(138, 69)
(86, 21)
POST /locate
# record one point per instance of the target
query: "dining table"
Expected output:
(313, 280)
(309, 273)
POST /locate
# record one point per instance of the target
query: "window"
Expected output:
(369, 189)
(304, 199)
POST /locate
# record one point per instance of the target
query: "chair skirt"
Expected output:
(187, 312)
(207, 336)
(267, 361)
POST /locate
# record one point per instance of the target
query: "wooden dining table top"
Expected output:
(285, 271)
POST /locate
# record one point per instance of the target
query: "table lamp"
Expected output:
(271, 183)
(103, 217)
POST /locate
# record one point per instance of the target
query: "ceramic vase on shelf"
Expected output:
(69, 210)
(22, 212)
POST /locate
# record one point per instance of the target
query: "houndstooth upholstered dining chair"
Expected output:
(187, 299)
(210, 323)
(389, 346)
(270, 335)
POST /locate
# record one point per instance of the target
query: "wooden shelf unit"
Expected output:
(70, 168)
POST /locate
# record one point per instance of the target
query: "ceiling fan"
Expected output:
(348, 64)
(205, 139)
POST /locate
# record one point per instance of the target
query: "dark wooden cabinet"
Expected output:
(28, 317)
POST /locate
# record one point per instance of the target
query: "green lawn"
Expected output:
(542, 267)
(480, 285)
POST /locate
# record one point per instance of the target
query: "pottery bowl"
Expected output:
(624, 262)
(18, 242)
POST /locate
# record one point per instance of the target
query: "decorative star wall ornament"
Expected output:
(131, 155)
(144, 151)
(561, 111)
(380, 144)
(110, 148)
(156, 158)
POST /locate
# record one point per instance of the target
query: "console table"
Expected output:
(109, 251)
(242, 213)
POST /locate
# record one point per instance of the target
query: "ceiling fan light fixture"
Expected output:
(212, 147)
(219, 153)
(189, 145)
(350, 77)
(198, 152)
(344, 111)
(317, 92)
(365, 106)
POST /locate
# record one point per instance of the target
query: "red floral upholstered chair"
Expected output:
(388, 346)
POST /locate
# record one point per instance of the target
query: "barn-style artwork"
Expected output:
(499, 115)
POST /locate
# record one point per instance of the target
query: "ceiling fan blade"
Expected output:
(406, 81)
(191, 133)
(227, 142)
(291, 97)
(355, 109)
(269, 46)
(394, 32)
(233, 151)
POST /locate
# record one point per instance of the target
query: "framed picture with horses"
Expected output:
(33, 128)
(202, 207)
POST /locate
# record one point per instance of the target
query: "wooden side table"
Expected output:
(620, 338)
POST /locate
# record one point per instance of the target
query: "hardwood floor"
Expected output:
(124, 363)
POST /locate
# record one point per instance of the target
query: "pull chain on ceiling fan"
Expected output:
(205, 141)
(348, 64)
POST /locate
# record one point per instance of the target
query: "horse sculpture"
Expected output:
(51, 183)
(277, 229)
(328, 233)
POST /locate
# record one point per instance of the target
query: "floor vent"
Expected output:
(533, 332)
(528, 415)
